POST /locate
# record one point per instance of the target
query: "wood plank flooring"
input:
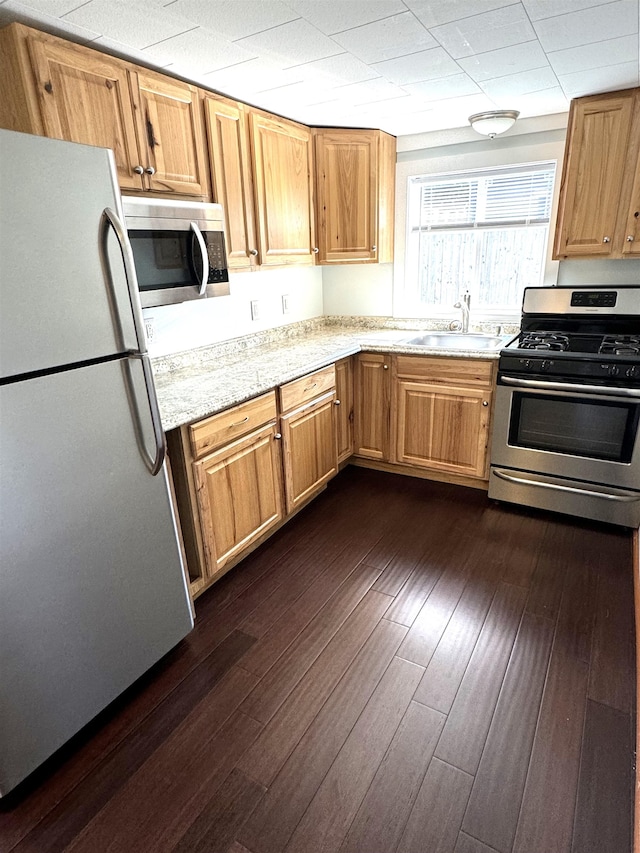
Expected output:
(406, 667)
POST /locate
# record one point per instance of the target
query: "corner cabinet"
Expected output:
(282, 164)
(65, 91)
(599, 204)
(355, 189)
(442, 414)
(372, 387)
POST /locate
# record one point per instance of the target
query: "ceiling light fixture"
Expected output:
(493, 122)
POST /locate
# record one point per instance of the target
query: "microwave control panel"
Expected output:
(217, 257)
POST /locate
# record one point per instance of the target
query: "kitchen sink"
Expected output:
(457, 340)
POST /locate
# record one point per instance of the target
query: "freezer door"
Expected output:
(63, 290)
(92, 591)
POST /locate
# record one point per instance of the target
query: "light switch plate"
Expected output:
(255, 309)
(149, 328)
(285, 303)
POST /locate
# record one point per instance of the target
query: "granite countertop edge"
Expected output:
(209, 381)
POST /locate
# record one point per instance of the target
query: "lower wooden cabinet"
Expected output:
(239, 494)
(442, 411)
(372, 383)
(344, 403)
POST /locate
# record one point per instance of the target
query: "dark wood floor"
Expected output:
(404, 667)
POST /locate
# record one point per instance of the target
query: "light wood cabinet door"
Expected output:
(282, 169)
(310, 449)
(372, 389)
(596, 181)
(344, 409)
(84, 97)
(239, 495)
(443, 428)
(170, 133)
(229, 152)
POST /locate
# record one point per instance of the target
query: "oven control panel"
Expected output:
(594, 298)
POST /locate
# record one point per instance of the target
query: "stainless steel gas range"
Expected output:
(566, 433)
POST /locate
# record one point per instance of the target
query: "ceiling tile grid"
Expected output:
(407, 66)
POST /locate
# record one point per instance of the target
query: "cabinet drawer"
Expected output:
(219, 429)
(469, 371)
(296, 393)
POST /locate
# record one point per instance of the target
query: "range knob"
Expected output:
(545, 364)
(614, 370)
(631, 372)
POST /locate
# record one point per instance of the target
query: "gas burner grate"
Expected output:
(620, 345)
(544, 341)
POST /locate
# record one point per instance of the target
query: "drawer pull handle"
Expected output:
(310, 387)
(243, 421)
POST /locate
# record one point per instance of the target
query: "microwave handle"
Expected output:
(205, 257)
(129, 274)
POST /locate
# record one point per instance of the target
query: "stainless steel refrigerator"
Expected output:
(92, 590)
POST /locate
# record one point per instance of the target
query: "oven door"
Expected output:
(579, 432)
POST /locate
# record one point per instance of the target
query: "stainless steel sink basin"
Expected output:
(457, 340)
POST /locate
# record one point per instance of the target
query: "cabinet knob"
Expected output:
(150, 170)
(606, 240)
(138, 170)
(374, 248)
(253, 252)
(278, 435)
(336, 402)
(629, 238)
(485, 403)
(315, 250)
(385, 367)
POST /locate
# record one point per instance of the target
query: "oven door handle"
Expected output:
(523, 481)
(570, 386)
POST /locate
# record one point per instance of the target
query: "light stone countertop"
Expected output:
(200, 383)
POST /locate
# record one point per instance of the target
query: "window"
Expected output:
(483, 231)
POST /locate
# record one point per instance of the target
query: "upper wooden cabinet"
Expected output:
(355, 188)
(65, 91)
(599, 203)
(282, 170)
(230, 155)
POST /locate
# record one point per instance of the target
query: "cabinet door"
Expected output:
(346, 187)
(594, 189)
(372, 402)
(239, 494)
(445, 428)
(344, 419)
(229, 151)
(281, 155)
(84, 97)
(170, 132)
(310, 449)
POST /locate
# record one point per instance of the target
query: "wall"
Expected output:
(199, 323)
(370, 290)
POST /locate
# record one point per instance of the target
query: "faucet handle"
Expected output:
(457, 305)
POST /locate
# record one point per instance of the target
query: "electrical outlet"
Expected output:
(255, 309)
(149, 328)
(285, 303)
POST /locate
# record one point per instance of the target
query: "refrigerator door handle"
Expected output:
(153, 462)
(205, 257)
(130, 275)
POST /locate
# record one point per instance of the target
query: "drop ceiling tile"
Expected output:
(198, 51)
(122, 21)
(425, 65)
(368, 90)
(445, 87)
(298, 94)
(432, 13)
(334, 16)
(337, 70)
(539, 9)
(520, 84)
(598, 55)
(507, 60)
(56, 8)
(482, 33)
(233, 20)
(14, 11)
(592, 81)
(295, 43)
(600, 23)
(126, 52)
(545, 102)
(387, 39)
(251, 76)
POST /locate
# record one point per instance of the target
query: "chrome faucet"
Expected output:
(465, 305)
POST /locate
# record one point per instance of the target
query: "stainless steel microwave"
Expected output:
(178, 249)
